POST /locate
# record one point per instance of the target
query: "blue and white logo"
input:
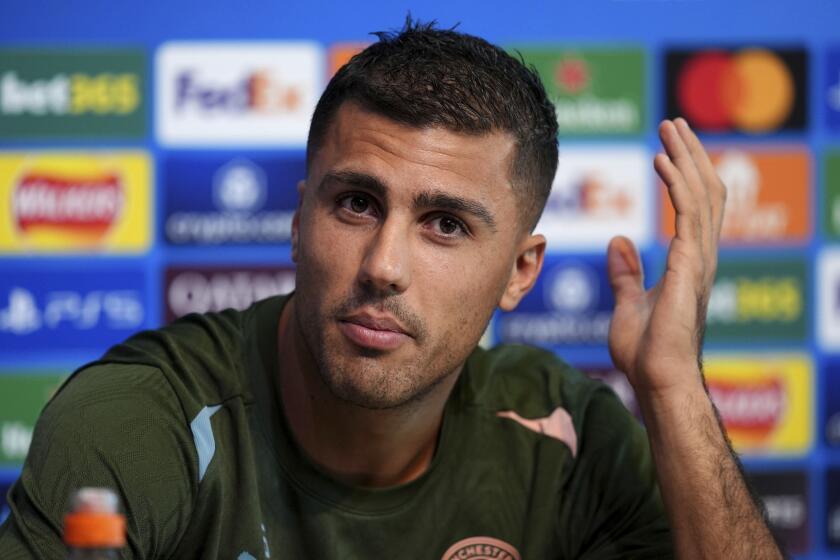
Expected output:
(52, 308)
(229, 199)
(571, 305)
(239, 186)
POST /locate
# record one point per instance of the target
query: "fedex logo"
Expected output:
(259, 91)
(237, 94)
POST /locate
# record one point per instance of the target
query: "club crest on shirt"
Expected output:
(481, 548)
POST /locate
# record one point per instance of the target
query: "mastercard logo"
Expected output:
(751, 90)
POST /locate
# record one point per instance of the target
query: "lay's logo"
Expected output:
(750, 410)
(87, 206)
(74, 202)
(765, 401)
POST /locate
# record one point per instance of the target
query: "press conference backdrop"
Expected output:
(149, 153)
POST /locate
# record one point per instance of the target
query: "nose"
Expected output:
(386, 268)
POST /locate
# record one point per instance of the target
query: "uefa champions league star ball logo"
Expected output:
(239, 186)
(572, 288)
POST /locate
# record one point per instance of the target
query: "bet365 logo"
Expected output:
(46, 93)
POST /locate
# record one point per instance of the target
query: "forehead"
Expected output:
(422, 158)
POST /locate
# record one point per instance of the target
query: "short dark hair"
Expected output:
(424, 76)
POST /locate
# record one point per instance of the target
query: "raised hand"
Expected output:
(656, 335)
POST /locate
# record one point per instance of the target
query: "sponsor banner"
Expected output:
(230, 200)
(828, 299)
(617, 381)
(764, 400)
(759, 300)
(753, 90)
(71, 93)
(199, 289)
(832, 508)
(594, 90)
(70, 202)
(571, 304)
(22, 396)
(340, 54)
(786, 498)
(599, 193)
(768, 196)
(236, 94)
(831, 204)
(65, 308)
(832, 84)
(831, 392)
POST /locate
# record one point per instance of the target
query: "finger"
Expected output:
(687, 225)
(624, 269)
(714, 186)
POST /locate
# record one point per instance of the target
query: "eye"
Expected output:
(448, 226)
(356, 203)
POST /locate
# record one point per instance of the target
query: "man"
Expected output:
(356, 418)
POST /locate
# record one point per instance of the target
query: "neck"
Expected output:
(355, 445)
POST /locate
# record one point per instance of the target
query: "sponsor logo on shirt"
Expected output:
(237, 93)
(230, 199)
(598, 193)
(54, 308)
(765, 401)
(75, 201)
(753, 89)
(22, 396)
(831, 205)
(786, 499)
(596, 90)
(571, 304)
(199, 289)
(759, 300)
(768, 196)
(67, 93)
(832, 91)
(481, 548)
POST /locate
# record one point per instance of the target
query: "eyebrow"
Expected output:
(441, 200)
(432, 199)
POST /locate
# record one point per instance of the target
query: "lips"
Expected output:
(373, 332)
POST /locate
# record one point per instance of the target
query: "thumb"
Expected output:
(624, 268)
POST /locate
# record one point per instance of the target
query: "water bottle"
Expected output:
(94, 529)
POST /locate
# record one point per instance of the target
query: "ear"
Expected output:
(301, 185)
(526, 269)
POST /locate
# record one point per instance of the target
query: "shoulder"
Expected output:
(541, 392)
(202, 357)
(528, 379)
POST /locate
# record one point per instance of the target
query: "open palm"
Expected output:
(655, 334)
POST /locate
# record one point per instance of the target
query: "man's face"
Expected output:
(405, 241)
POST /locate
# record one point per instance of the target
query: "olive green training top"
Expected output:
(534, 461)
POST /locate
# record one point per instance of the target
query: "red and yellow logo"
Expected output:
(68, 202)
(754, 90)
(765, 402)
(768, 196)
